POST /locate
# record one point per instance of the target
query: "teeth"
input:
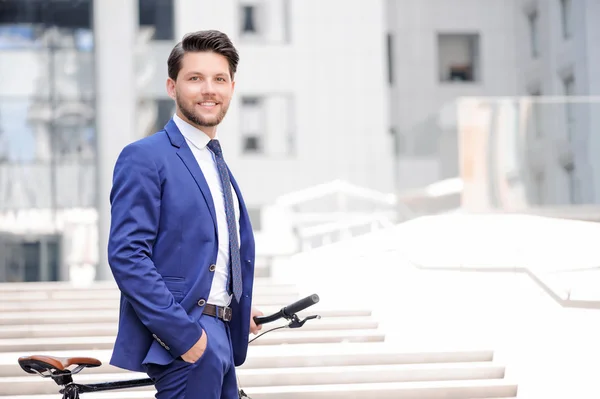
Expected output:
(208, 104)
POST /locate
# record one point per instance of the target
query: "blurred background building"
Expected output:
(380, 95)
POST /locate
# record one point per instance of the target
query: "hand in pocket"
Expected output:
(196, 351)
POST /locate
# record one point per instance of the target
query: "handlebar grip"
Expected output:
(288, 310)
(300, 305)
(267, 319)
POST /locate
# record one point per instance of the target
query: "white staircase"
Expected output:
(342, 355)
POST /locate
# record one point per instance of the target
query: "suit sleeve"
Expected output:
(135, 213)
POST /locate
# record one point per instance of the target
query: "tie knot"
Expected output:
(215, 147)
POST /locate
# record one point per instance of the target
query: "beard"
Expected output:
(196, 118)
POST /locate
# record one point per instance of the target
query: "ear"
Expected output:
(171, 88)
(232, 86)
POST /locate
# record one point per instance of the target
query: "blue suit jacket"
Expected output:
(163, 240)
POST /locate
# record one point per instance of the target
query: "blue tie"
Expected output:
(234, 249)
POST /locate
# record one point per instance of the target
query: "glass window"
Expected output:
(73, 74)
(252, 144)
(164, 108)
(17, 132)
(61, 13)
(31, 78)
(157, 14)
(536, 113)
(252, 124)
(32, 255)
(533, 34)
(267, 125)
(569, 90)
(458, 57)
(12, 262)
(46, 161)
(264, 21)
(19, 36)
(566, 15)
(390, 57)
(249, 24)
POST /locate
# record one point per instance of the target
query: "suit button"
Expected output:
(201, 302)
(212, 268)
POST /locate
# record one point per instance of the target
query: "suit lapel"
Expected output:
(185, 153)
(192, 165)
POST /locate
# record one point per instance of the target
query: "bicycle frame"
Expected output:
(72, 390)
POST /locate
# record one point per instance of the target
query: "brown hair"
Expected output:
(205, 40)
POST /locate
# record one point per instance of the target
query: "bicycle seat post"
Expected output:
(63, 379)
(71, 391)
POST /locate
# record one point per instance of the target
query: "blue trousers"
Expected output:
(211, 377)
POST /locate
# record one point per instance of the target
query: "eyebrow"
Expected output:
(191, 73)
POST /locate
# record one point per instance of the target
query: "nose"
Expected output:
(207, 87)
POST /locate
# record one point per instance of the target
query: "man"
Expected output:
(181, 246)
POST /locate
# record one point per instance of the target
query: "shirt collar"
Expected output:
(196, 136)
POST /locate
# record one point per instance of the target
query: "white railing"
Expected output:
(294, 214)
(327, 233)
(309, 218)
(339, 188)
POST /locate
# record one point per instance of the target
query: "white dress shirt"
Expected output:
(197, 141)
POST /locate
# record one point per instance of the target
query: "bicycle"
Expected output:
(58, 368)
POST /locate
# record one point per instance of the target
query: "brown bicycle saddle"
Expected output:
(41, 363)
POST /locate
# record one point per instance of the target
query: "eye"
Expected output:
(221, 79)
(194, 78)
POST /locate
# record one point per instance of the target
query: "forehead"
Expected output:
(205, 62)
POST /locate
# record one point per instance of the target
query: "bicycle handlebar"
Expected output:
(288, 311)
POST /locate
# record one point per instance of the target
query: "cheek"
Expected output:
(225, 95)
(188, 92)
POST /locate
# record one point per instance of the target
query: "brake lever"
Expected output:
(297, 323)
(242, 395)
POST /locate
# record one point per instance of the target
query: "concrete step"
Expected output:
(343, 355)
(79, 294)
(476, 389)
(110, 329)
(112, 315)
(292, 376)
(106, 342)
(104, 304)
(53, 286)
(37, 296)
(463, 389)
(292, 356)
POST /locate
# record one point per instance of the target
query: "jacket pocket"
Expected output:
(176, 285)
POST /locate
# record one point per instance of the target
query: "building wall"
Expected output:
(329, 109)
(591, 87)
(419, 99)
(337, 89)
(566, 52)
(321, 74)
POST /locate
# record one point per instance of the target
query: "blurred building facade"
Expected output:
(310, 104)
(440, 50)
(362, 90)
(558, 64)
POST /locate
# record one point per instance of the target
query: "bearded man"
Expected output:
(181, 247)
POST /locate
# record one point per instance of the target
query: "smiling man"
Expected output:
(181, 246)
